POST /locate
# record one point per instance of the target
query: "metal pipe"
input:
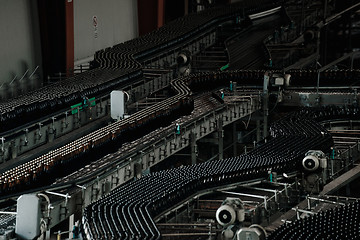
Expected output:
(34, 71)
(325, 201)
(8, 213)
(334, 17)
(59, 194)
(248, 195)
(297, 210)
(182, 224)
(265, 190)
(341, 197)
(49, 207)
(13, 80)
(186, 234)
(23, 75)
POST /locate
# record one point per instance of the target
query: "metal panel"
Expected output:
(28, 216)
(117, 105)
(20, 45)
(322, 98)
(116, 23)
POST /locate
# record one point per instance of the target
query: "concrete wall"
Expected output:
(19, 39)
(116, 23)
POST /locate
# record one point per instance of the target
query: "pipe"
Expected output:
(23, 75)
(48, 201)
(249, 195)
(8, 213)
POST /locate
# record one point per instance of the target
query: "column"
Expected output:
(161, 13)
(69, 31)
(258, 131)
(193, 147)
(220, 136)
(234, 139)
(71, 226)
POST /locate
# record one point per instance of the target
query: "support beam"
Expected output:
(71, 225)
(234, 139)
(147, 16)
(161, 13)
(341, 181)
(265, 98)
(193, 147)
(69, 31)
(186, 3)
(266, 113)
(258, 131)
(220, 138)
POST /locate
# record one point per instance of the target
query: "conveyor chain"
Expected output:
(111, 136)
(336, 223)
(118, 66)
(127, 212)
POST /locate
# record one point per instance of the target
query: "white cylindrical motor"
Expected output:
(310, 163)
(231, 210)
(225, 215)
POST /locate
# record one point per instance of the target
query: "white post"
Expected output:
(71, 226)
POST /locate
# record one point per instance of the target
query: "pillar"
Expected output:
(258, 131)
(266, 113)
(193, 147)
(69, 31)
(234, 139)
(220, 138)
(161, 13)
(71, 225)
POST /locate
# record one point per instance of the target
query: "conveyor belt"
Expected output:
(93, 146)
(127, 212)
(202, 104)
(114, 135)
(327, 78)
(117, 133)
(330, 112)
(247, 51)
(120, 65)
(337, 223)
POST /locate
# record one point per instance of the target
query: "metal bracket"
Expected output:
(39, 132)
(66, 196)
(53, 123)
(2, 144)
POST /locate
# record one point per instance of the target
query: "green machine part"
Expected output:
(80, 106)
(224, 67)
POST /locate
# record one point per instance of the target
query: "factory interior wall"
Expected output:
(116, 22)
(19, 38)
(148, 15)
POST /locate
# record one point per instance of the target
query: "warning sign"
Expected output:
(95, 21)
(95, 24)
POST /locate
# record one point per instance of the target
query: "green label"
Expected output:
(80, 106)
(224, 67)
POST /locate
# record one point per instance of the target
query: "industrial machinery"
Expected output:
(231, 216)
(170, 154)
(231, 211)
(184, 63)
(315, 165)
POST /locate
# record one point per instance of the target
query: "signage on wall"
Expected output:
(95, 24)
